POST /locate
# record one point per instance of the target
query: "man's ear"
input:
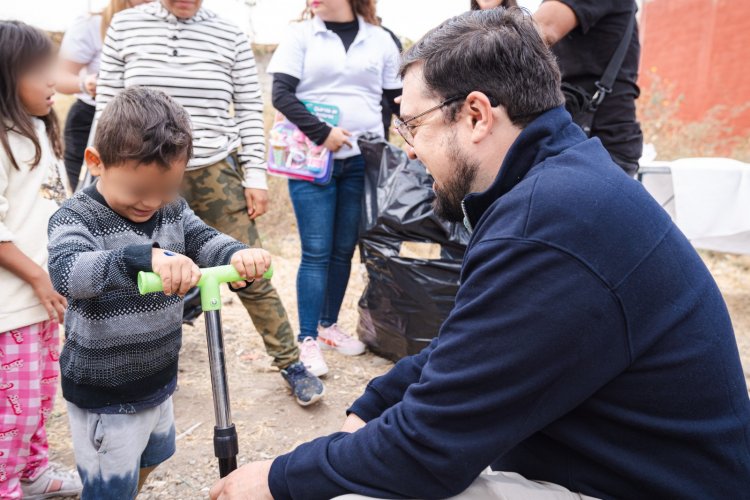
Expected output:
(93, 161)
(479, 113)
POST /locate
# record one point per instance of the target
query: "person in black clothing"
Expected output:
(584, 35)
(385, 103)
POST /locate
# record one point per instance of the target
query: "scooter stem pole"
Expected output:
(225, 434)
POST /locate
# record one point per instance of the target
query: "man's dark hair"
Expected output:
(144, 125)
(498, 52)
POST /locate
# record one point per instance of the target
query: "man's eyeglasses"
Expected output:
(405, 130)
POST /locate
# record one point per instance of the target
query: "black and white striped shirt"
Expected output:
(206, 64)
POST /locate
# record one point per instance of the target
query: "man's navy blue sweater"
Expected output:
(589, 346)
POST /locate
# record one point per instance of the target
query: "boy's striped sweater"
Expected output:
(121, 347)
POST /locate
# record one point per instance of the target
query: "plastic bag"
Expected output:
(413, 258)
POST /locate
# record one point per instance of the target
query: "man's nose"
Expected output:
(411, 153)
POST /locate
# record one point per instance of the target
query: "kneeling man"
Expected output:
(589, 351)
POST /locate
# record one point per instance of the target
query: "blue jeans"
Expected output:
(328, 223)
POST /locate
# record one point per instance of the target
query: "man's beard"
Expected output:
(448, 196)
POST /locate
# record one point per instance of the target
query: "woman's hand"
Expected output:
(337, 139)
(89, 84)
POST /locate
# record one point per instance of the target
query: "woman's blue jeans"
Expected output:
(328, 223)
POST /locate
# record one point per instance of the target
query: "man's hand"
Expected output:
(251, 263)
(352, 423)
(337, 138)
(249, 482)
(178, 273)
(257, 202)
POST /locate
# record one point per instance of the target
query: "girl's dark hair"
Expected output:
(21, 48)
(364, 8)
(504, 3)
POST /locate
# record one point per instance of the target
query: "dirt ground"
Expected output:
(269, 422)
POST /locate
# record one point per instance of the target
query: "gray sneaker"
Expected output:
(307, 388)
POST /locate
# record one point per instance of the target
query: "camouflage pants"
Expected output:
(216, 195)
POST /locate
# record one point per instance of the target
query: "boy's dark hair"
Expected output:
(144, 125)
(498, 52)
(21, 48)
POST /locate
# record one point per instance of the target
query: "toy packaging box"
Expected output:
(293, 155)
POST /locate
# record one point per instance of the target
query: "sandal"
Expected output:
(51, 483)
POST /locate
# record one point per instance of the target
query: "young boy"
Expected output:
(119, 363)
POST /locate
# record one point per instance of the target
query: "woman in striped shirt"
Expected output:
(206, 64)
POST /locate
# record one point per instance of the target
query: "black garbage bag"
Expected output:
(412, 257)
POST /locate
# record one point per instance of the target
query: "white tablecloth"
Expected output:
(709, 199)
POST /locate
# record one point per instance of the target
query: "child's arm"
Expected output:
(206, 246)
(18, 263)
(80, 269)
(15, 261)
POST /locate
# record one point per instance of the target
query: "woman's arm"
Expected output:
(70, 81)
(286, 102)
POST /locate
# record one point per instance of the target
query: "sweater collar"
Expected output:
(546, 136)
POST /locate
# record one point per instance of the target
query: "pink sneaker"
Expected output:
(334, 337)
(312, 357)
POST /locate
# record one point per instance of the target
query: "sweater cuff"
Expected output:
(255, 177)
(137, 258)
(240, 246)
(368, 406)
(277, 479)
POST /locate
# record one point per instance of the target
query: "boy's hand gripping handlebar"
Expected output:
(225, 434)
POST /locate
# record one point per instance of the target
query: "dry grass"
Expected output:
(713, 135)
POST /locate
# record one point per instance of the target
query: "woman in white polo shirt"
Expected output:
(338, 56)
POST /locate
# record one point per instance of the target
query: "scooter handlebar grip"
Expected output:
(151, 282)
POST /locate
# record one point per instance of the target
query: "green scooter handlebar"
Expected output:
(211, 278)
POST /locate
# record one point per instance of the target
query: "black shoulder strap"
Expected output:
(604, 85)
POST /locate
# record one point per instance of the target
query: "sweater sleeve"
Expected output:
(206, 246)
(533, 334)
(385, 391)
(5, 233)
(80, 269)
(248, 108)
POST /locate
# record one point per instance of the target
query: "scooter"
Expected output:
(225, 434)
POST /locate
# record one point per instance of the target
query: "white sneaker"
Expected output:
(334, 337)
(312, 357)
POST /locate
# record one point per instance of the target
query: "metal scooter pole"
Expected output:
(225, 434)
